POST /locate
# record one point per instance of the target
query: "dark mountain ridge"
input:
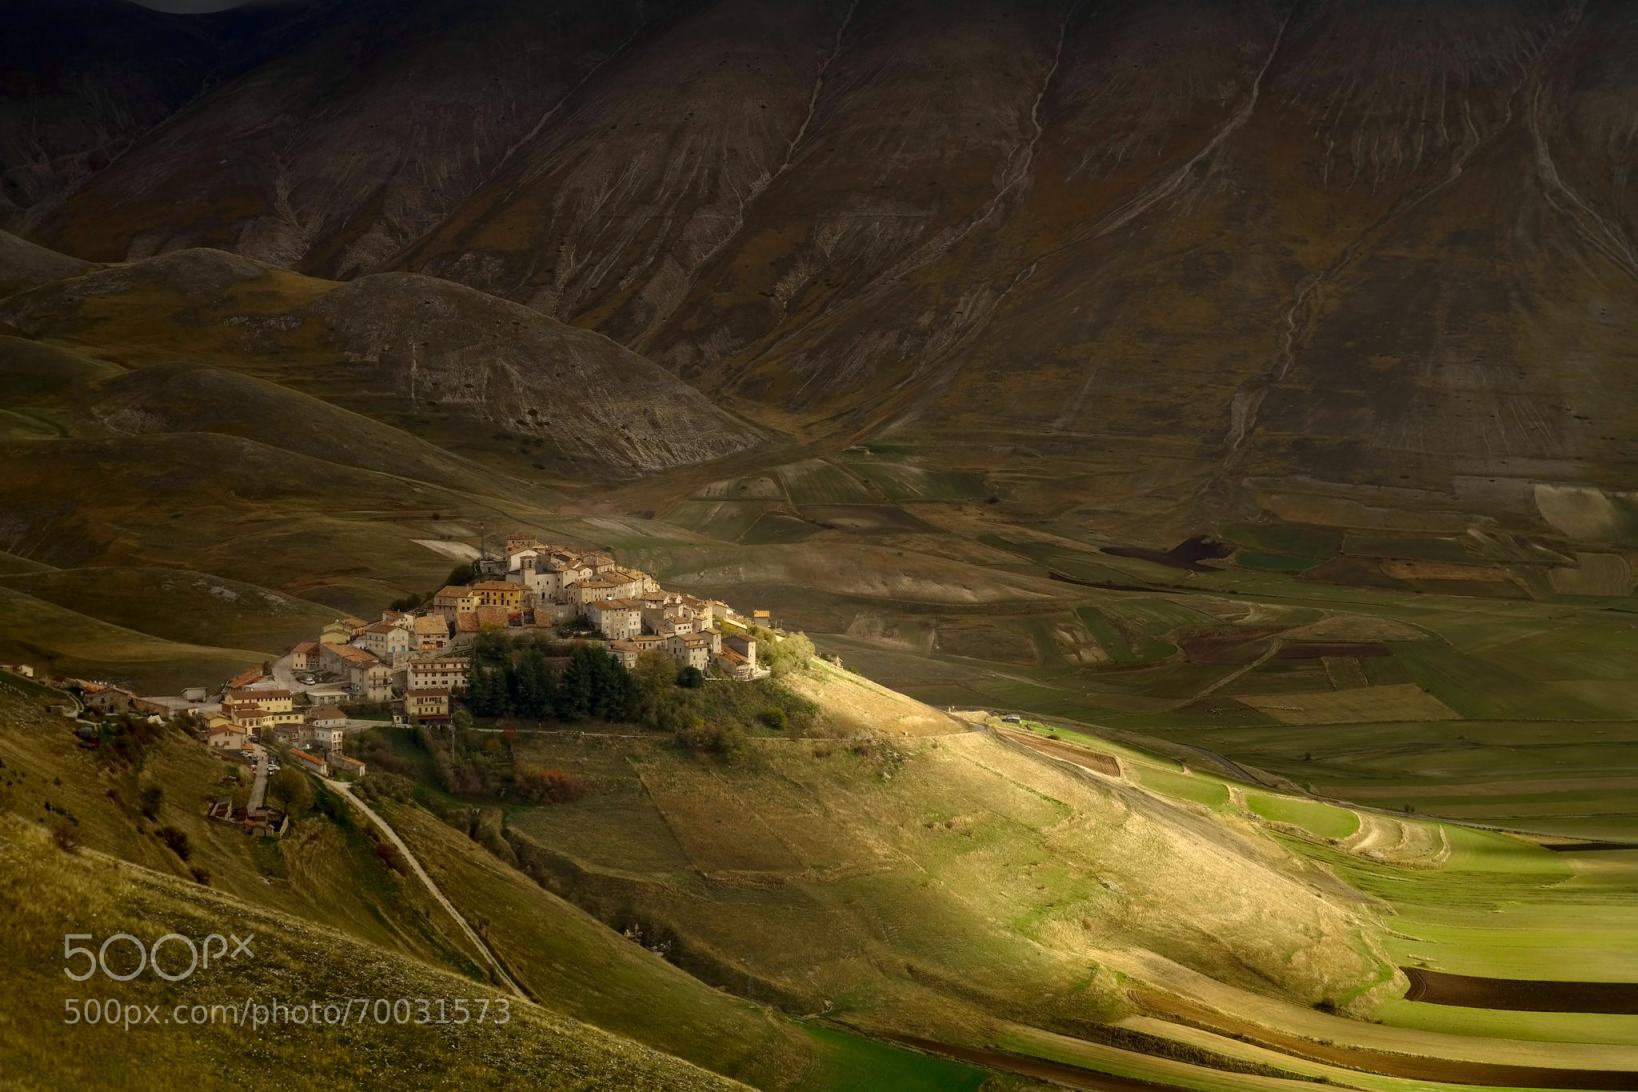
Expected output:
(1200, 259)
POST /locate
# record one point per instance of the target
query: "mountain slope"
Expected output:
(322, 170)
(395, 347)
(1251, 250)
(24, 265)
(103, 73)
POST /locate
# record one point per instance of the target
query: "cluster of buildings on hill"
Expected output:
(421, 655)
(626, 607)
(270, 715)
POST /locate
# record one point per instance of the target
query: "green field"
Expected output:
(1322, 820)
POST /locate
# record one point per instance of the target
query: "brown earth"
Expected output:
(1519, 995)
(1067, 752)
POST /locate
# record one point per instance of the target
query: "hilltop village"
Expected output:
(412, 664)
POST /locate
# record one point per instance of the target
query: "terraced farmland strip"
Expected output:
(1521, 995)
(1405, 1066)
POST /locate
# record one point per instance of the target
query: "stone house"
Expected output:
(436, 673)
(702, 611)
(452, 599)
(330, 738)
(429, 704)
(691, 649)
(629, 651)
(345, 766)
(104, 698)
(616, 619)
(498, 593)
(326, 716)
(385, 641)
(271, 701)
(591, 591)
(224, 735)
(305, 656)
(431, 633)
(367, 678)
(742, 644)
(310, 763)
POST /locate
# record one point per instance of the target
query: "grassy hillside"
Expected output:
(327, 871)
(586, 969)
(937, 880)
(60, 641)
(295, 961)
(178, 605)
(327, 879)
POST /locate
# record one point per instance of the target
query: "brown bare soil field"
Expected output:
(1068, 752)
(1234, 645)
(1319, 651)
(1520, 995)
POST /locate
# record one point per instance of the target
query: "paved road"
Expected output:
(258, 788)
(286, 677)
(415, 866)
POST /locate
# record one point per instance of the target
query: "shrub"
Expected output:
(152, 797)
(774, 717)
(728, 743)
(388, 854)
(177, 840)
(63, 833)
(201, 875)
(786, 654)
(537, 786)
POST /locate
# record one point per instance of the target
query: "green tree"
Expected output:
(486, 690)
(292, 790)
(461, 575)
(491, 648)
(576, 689)
(532, 694)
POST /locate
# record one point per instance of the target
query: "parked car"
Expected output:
(1012, 718)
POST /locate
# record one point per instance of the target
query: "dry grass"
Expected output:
(50, 893)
